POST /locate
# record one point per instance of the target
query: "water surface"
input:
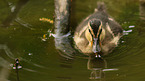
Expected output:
(25, 36)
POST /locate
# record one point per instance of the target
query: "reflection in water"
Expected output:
(63, 44)
(129, 54)
(4, 63)
(62, 18)
(4, 72)
(7, 66)
(23, 23)
(14, 12)
(7, 51)
(97, 74)
(98, 66)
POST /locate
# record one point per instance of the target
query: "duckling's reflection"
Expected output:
(96, 65)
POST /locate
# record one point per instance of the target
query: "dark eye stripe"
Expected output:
(90, 32)
(100, 33)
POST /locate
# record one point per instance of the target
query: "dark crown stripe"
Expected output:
(95, 24)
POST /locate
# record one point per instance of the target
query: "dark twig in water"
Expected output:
(17, 66)
(17, 75)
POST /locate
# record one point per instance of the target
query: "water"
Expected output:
(30, 39)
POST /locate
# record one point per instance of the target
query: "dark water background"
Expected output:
(22, 35)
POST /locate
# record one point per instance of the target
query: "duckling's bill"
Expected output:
(96, 46)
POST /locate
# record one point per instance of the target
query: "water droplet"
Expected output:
(122, 41)
(126, 32)
(117, 74)
(30, 54)
(131, 26)
(14, 28)
(44, 9)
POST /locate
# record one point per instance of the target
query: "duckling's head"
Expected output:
(95, 29)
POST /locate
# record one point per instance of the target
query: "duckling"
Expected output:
(98, 33)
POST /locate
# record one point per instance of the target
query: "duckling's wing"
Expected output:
(114, 26)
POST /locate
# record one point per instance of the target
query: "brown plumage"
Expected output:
(110, 33)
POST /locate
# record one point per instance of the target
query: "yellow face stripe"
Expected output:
(88, 35)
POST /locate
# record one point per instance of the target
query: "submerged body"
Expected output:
(108, 38)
